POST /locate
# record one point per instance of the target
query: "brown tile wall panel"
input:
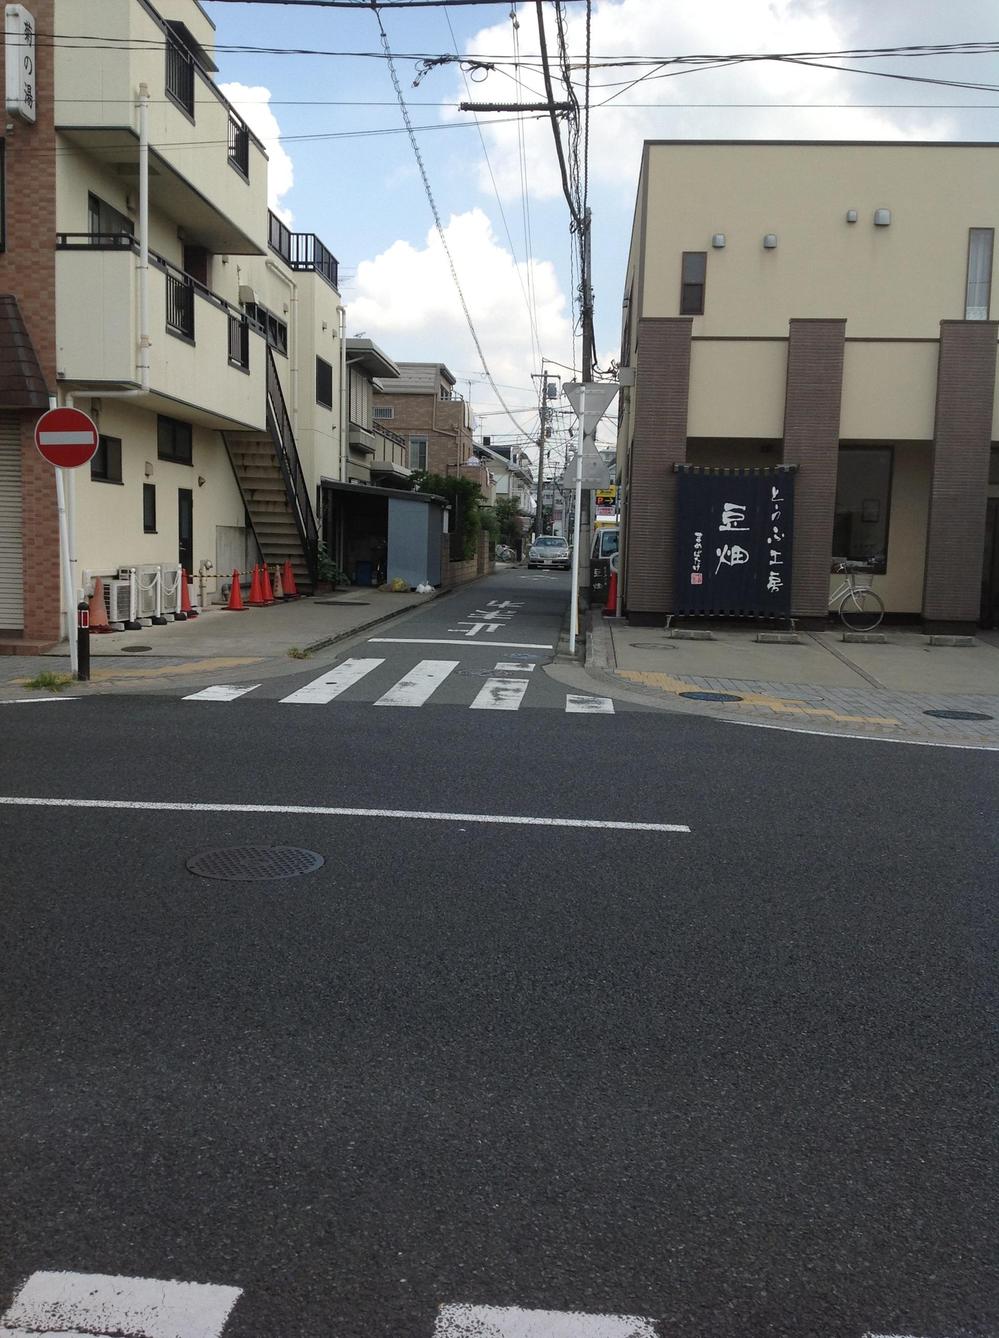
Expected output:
(811, 441)
(659, 442)
(962, 433)
(27, 271)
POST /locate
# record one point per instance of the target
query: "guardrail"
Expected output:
(301, 250)
(291, 468)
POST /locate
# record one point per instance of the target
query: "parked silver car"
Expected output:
(549, 551)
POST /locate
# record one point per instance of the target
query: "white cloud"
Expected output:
(405, 299)
(253, 104)
(626, 27)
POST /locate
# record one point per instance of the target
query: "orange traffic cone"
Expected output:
(288, 581)
(236, 595)
(278, 584)
(610, 608)
(98, 613)
(256, 589)
(185, 597)
(265, 583)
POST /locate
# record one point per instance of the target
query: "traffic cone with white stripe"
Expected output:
(288, 582)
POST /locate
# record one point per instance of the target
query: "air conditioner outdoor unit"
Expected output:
(247, 296)
(147, 581)
(119, 601)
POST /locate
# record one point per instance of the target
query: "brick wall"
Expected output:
(962, 434)
(659, 442)
(811, 441)
(457, 573)
(449, 442)
(27, 269)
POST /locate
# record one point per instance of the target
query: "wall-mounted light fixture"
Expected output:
(201, 480)
(770, 241)
(718, 240)
(851, 216)
(149, 470)
(882, 218)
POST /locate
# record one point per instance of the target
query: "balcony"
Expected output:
(391, 456)
(301, 250)
(204, 353)
(207, 171)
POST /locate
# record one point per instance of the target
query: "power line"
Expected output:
(437, 219)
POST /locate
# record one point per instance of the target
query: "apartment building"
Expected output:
(824, 307)
(143, 279)
(511, 472)
(422, 406)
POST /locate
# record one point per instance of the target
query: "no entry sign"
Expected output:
(66, 437)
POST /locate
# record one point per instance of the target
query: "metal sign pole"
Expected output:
(65, 571)
(574, 618)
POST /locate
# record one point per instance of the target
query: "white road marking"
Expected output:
(221, 692)
(329, 811)
(504, 666)
(74, 1304)
(421, 682)
(332, 683)
(459, 641)
(23, 701)
(500, 694)
(490, 1321)
(575, 702)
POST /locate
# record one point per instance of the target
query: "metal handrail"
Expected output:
(295, 484)
(301, 250)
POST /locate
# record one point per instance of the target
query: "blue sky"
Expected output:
(364, 197)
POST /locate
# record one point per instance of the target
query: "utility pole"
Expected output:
(539, 524)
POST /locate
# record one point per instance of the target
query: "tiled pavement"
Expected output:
(865, 710)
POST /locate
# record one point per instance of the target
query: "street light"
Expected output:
(589, 401)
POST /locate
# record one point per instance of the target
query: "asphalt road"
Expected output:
(735, 1080)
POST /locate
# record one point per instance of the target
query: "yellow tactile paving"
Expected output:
(667, 683)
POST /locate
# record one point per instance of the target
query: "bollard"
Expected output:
(83, 641)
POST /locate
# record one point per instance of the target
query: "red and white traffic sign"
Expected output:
(66, 437)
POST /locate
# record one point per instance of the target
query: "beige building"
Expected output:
(155, 290)
(825, 306)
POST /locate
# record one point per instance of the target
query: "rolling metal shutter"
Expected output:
(11, 550)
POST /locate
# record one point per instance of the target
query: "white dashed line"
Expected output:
(421, 682)
(77, 1304)
(575, 703)
(460, 641)
(221, 692)
(488, 1321)
(332, 683)
(500, 694)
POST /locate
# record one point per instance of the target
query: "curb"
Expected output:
(327, 641)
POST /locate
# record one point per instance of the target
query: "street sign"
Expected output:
(66, 438)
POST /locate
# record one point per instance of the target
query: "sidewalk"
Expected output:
(822, 684)
(216, 641)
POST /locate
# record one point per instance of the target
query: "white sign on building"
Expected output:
(19, 41)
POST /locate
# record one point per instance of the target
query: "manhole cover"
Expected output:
(244, 863)
(711, 696)
(133, 650)
(651, 645)
(959, 715)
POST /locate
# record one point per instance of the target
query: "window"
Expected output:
(979, 287)
(385, 411)
(173, 440)
(105, 463)
(3, 198)
(692, 274)
(272, 327)
(324, 383)
(149, 508)
(418, 452)
(179, 74)
(863, 501)
(239, 146)
(106, 221)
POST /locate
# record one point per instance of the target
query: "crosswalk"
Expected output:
(100, 1305)
(505, 688)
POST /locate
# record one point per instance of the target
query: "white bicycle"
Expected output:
(858, 606)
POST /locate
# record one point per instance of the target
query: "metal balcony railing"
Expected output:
(301, 250)
(239, 342)
(239, 145)
(180, 305)
(180, 74)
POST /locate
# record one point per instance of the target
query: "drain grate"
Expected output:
(711, 696)
(239, 864)
(959, 715)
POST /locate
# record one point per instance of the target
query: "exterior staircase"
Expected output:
(274, 489)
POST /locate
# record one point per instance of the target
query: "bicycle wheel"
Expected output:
(861, 610)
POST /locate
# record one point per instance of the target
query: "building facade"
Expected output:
(422, 406)
(825, 306)
(144, 280)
